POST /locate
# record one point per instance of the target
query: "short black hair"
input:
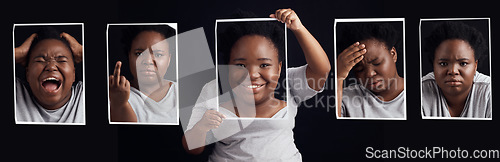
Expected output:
(271, 30)
(132, 31)
(359, 31)
(48, 32)
(455, 30)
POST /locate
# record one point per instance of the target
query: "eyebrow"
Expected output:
(260, 59)
(460, 59)
(157, 50)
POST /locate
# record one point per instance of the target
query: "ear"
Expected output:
(475, 65)
(394, 54)
(279, 67)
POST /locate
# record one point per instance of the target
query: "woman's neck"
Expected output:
(456, 102)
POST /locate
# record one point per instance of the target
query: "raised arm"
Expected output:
(119, 93)
(345, 62)
(318, 63)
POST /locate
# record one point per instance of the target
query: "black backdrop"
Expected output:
(318, 135)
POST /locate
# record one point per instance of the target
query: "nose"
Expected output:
(254, 73)
(370, 72)
(147, 58)
(51, 66)
(453, 69)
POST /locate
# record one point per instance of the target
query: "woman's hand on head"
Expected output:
(289, 17)
(210, 120)
(348, 58)
(119, 87)
(75, 47)
(21, 52)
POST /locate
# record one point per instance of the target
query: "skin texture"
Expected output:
(149, 59)
(377, 71)
(254, 62)
(374, 65)
(51, 58)
(316, 73)
(454, 69)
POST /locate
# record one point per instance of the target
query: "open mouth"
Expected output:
(51, 84)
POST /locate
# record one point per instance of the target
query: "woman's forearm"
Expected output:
(193, 141)
(316, 58)
(122, 113)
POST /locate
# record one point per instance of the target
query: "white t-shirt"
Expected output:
(261, 139)
(29, 110)
(148, 110)
(357, 101)
(478, 104)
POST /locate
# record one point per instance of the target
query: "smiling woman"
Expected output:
(49, 93)
(253, 52)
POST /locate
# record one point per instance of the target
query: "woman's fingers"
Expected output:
(115, 80)
(76, 47)
(288, 16)
(22, 51)
(353, 52)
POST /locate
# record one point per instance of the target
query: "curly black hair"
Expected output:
(359, 31)
(272, 30)
(48, 32)
(455, 30)
(132, 31)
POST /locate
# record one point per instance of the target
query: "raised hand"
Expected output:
(348, 58)
(75, 47)
(289, 17)
(119, 87)
(21, 52)
(210, 120)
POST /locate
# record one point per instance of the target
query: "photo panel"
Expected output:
(145, 55)
(370, 54)
(246, 75)
(49, 84)
(449, 49)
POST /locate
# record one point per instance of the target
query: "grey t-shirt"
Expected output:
(477, 105)
(357, 101)
(255, 139)
(29, 110)
(148, 110)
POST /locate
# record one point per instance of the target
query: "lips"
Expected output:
(374, 84)
(453, 82)
(51, 84)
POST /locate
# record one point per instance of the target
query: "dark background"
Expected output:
(318, 135)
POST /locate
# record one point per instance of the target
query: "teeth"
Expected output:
(50, 78)
(254, 86)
